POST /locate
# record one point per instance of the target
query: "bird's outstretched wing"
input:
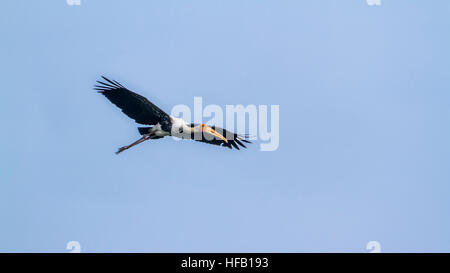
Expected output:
(133, 105)
(234, 140)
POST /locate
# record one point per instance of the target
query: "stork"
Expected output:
(161, 124)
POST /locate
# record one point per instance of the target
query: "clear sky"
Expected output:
(364, 151)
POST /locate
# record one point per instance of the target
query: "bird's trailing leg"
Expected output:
(142, 139)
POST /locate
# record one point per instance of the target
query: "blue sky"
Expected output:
(364, 126)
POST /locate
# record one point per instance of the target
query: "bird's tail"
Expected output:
(144, 130)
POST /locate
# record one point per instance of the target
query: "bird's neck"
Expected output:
(179, 123)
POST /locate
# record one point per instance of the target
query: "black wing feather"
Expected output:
(235, 141)
(133, 105)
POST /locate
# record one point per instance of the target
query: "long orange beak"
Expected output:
(206, 128)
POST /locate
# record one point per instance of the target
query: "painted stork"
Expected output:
(145, 112)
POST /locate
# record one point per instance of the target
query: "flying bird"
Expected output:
(145, 112)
